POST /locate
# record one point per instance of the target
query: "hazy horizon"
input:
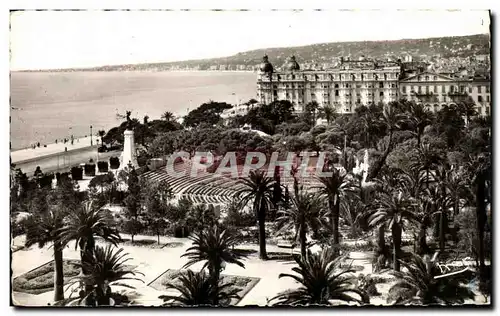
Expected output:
(45, 40)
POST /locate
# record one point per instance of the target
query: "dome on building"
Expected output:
(292, 64)
(266, 66)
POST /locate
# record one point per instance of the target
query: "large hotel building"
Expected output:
(364, 82)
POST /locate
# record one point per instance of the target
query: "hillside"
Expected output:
(420, 49)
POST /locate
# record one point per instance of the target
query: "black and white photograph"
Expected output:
(244, 157)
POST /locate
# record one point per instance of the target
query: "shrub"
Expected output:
(102, 166)
(45, 181)
(77, 173)
(114, 162)
(89, 170)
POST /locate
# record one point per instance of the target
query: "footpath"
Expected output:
(33, 154)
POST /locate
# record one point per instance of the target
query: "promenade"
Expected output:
(30, 154)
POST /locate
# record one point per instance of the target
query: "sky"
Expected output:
(66, 39)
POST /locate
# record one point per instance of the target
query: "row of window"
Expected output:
(442, 89)
(337, 86)
(354, 77)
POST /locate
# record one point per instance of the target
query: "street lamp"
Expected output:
(90, 135)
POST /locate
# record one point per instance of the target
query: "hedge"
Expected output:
(77, 173)
(89, 170)
(102, 166)
(45, 181)
(114, 162)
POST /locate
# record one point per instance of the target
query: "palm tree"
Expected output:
(42, 229)
(391, 208)
(304, 215)
(259, 189)
(392, 119)
(327, 112)
(322, 279)
(83, 226)
(197, 289)
(106, 267)
(311, 108)
(216, 247)
(167, 116)
(422, 284)
(335, 187)
(420, 117)
(426, 159)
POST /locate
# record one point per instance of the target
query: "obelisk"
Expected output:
(129, 155)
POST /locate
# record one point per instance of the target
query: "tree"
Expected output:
(322, 279)
(133, 225)
(101, 134)
(201, 217)
(42, 228)
(334, 188)
(392, 120)
(83, 226)
(215, 246)
(197, 289)
(259, 189)
(327, 112)
(106, 268)
(304, 215)
(155, 200)
(420, 117)
(206, 114)
(422, 283)
(390, 210)
(426, 159)
(167, 116)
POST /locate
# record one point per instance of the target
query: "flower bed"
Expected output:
(151, 243)
(41, 279)
(243, 283)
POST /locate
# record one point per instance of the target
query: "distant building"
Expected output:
(349, 85)
(436, 90)
(363, 82)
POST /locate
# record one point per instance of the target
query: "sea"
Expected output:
(46, 106)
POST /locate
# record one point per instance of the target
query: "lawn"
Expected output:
(41, 280)
(243, 283)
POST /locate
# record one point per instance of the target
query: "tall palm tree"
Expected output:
(83, 226)
(426, 159)
(392, 119)
(411, 182)
(42, 229)
(420, 117)
(334, 188)
(391, 209)
(327, 112)
(167, 116)
(258, 188)
(304, 215)
(198, 289)
(216, 247)
(421, 284)
(322, 279)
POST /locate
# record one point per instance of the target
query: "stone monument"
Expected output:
(129, 154)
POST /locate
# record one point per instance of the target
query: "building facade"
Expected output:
(363, 82)
(350, 84)
(437, 90)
